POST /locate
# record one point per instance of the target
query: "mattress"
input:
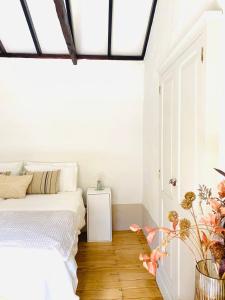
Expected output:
(70, 201)
(40, 274)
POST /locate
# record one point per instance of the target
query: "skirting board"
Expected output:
(148, 221)
(123, 215)
(163, 287)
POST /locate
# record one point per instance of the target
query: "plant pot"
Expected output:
(208, 286)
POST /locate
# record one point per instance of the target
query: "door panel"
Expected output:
(189, 116)
(190, 146)
(167, 111)
(181, 148)
(168, 169)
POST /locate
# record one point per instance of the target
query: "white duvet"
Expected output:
(40, 274)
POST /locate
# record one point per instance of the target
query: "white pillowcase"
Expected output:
(14, 167)
(68, 173)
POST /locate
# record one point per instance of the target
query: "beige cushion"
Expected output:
(44, 182)
(14, 186)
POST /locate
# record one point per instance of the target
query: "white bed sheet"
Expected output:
(39, 274)
(71, 201)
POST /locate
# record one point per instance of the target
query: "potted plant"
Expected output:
(203, 234)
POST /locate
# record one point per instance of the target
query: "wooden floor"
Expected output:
(112, 271)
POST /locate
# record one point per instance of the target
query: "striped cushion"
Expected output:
(45, 182)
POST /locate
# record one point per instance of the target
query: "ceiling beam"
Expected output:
(150, 22)
(31, 26)
(2, 48)
(112, 57)
(35, 55)
(70, 17)
(64, 22)
(67, 56)
(110, 27)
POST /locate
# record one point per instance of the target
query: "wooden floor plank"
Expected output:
(112, 271)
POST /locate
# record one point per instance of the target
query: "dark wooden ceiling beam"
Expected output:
(68, 8)
(31, 26)
(112, 57)
(64, 22)
(2, 48)
(110, 27)
(150, 22)
(34, 55)
(67, 56)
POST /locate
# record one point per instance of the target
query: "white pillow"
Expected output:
(68, 173)
(14, 167)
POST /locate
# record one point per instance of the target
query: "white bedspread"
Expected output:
(40, 273)
(39, 230)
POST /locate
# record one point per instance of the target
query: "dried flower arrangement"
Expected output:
(204, 236)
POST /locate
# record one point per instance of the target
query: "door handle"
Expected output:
(173, 181)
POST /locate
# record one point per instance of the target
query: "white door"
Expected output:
(168, 193)
(182, 142)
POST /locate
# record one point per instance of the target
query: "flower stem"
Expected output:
(199, 238)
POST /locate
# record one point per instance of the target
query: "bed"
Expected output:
(38, 267)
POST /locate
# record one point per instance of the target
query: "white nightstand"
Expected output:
(99, 215)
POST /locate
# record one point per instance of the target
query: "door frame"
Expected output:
(201, 28)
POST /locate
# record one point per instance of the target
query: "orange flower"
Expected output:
(151, 235)
(205, 240)
(135, 228)
(221, 189)
(156, 255)
(215, 205)
(151, 263)
(222, 210)
(150, 267)
(213, 220)
(151, 231)
(144, 257)
(210, 220)
(206, 243)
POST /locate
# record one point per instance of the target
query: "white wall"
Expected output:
(90, 113)
(173, 18)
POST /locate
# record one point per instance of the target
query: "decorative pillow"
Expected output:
(44, 182)
(14, 167)
(68, 173)
(14, 186)
(7, 173)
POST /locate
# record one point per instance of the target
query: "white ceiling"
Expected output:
(47, 26)
(14, 32)
(130, 20)
(90, 26)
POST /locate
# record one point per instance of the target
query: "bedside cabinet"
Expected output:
(99, 215)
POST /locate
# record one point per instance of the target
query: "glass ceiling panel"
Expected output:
(47, 26)
(90, 22)
(130, 21)
(14, 31)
